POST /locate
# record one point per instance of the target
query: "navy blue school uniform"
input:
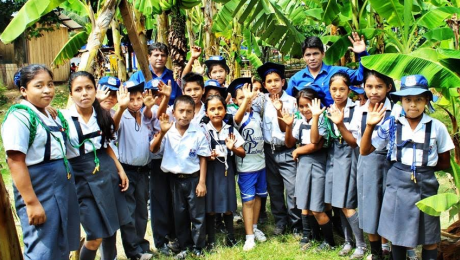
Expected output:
(220, 177)
(371, 172)
(411, 178)
(103, 206)
(311, 172)
(52, 182)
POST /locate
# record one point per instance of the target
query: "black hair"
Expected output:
(158, 46)
(184, 99)
(220, 98)
(192, 77)
(387, 80)
(257, 80)
(23, 76)
(104, 119)
(306, 93)
(312, 42)
(212, 65)
(340, 74)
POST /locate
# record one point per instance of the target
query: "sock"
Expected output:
(228, 220)
(336, 222)
(357, 232)
(376, 248)
(386, 246)
(250, 237)
(398, 252)
(254, 226)
(109, 247)
(429, 254)
(210, 228)
(411, 252)
(87, 254)
(326, 229)
(306, 230)
(263, 202)
(347, 233)
(315, 232)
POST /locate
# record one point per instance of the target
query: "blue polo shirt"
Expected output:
(321, 83)
(167, 75)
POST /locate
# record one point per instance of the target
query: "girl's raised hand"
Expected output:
(230, 141)
(123, 97)
(248, 92)
(336, 115)
(375, 115)
(102, 93)
(277, 102)
(287, 118)
(165, 124)
(164, 89)
(149, 98)
(315, 107)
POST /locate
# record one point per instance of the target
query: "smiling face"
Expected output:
(194, 90)
(215, 110)
(218, 73)
(40, 90)
(304, 107)
(157, 59)
(339, 91)
(414, 106)
(314, 58)
(83, 92)
(274, 83)
(376, 89)
(183, 113)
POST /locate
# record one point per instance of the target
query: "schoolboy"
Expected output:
(280, 168)
(185, 148)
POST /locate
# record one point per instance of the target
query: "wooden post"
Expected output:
(9, 242)
(141, 52)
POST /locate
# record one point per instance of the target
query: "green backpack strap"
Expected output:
(33, 120)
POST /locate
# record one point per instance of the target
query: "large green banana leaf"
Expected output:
(436, 17)
(70, 48)
(391, 10)
(438, 203)
(76, 6)
(26, 16)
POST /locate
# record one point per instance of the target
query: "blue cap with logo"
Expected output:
(412, 85)
(214, 84)
(153, 84)
(113, 83)
(134, 85)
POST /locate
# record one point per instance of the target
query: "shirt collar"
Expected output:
(425, 119)
(191, 128)
(387, 105)
(224, 126)
(165, 71)
(74, 113)
(31, 106)
(324, 68)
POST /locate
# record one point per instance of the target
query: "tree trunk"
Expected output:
(189, 26)
(20, 50)
(211, 47)
(121, 67)
(9, 245)
(162, 32)
(177, 41)
(380, 46)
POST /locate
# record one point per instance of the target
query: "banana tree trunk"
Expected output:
(100, 26)
(210, 44)
(162, 32)
(380, 46)
(177, 41)
(121, 67)
(9, 247)
(189, 26)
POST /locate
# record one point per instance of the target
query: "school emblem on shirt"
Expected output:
(411, 81)
(192, 153)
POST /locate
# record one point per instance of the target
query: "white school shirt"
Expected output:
(196, 119)
(113, 143)
(270, 126)
(181, 153)
(16, 133)
(154, 126)
(355, 124)
(86, 128)
(253, 144)
(440, 140)
(133, 140)
(221, 149)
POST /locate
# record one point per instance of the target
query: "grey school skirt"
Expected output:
(329, 174)
(310, 181)
(344, 190)
(401, 221)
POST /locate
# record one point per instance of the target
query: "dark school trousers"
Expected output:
(161, 209)
(281, 175)
(137, 196)
(189, 212)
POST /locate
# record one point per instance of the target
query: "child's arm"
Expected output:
(316, 111)
(165, 125)
(248, 95)
(196, 52)
(443, 161)
(201, 187)
(307, 149)
(123, 102)
(288, 120)
(337, 118)
(21, 178)
(164, 90)
(373, 118)
(121, 172)
(230, 141)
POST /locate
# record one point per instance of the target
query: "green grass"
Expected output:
(281, 247)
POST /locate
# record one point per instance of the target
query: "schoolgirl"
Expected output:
(311, 167)
(372, 168)
(43, 181)
(103, 206)
(220, 178)
(345, 157)
(418, 145)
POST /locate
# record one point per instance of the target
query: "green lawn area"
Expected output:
(282, 247)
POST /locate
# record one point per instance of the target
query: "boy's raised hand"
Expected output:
(359, 44)
(336, 115)
(287, 118)
(375, 115)
(123, 97)
(149, 98)
(196, 52)
(315, 107)
(102, 93)
(230, 141)
(165, 124)
(164, 89)
(248, 92)
(277, 102)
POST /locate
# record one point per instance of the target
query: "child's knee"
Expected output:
(93, 244)
(248, 204)
(430, 247)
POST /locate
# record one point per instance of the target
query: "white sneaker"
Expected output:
(259, 235)
(249, 245)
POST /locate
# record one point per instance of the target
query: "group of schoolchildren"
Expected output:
(322, 158)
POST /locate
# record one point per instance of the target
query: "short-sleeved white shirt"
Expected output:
(220, 136)
(16, 134)
(86, 128)
(440, 140)
(133, 140)
(253, 144)
(305, 131)
(181, 153)
(270, 126)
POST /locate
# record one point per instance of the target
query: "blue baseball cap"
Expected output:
(134, 85)
(237, 84)
(113, 83)
(357, 90)
(412, 85)
(214, 84)
(153, 84)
